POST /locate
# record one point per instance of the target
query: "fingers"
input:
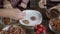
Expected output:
(18, 15)
(23, 5)
(21, 15)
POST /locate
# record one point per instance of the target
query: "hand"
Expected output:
(23, 5)
(17, 14)
(7, 4)
(42, 3)
(12, 13)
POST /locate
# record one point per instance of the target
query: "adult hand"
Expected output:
(12, 13)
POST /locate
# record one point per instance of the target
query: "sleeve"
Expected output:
(25, 1)
(14, 2)
(1, 2)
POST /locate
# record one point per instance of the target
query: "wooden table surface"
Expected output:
(45, 21)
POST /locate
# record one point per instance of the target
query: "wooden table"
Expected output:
(45, 21)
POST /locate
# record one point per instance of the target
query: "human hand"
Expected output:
(7, 4)
(42, 3)
(17, 15)
(12, 13)
(23, 5)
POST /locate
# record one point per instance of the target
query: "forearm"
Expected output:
(1, 12)
(7, 12)
(12, 13)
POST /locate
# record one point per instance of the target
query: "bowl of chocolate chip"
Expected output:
(32, 18)
(54, 25)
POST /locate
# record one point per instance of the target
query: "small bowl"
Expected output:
(51, 28)
(8, 21)
(29, 14)
(5, 21)
(56, 32)
(7, 28)
(53, 12)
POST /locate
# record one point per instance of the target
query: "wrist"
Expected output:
(18, 9)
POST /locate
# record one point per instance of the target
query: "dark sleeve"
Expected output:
(1, 3)
(52, 3)
(25, 1)
(14, 2)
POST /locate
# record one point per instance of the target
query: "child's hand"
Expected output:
(42, 3)
(23, 5)
(7, 4)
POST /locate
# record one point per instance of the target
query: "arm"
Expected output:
(12, 13)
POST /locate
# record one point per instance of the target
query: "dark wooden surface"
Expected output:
(45, 21)
(52, 3)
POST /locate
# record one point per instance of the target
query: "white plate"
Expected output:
(29, 14)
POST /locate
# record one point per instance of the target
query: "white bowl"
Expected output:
(29, 14)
